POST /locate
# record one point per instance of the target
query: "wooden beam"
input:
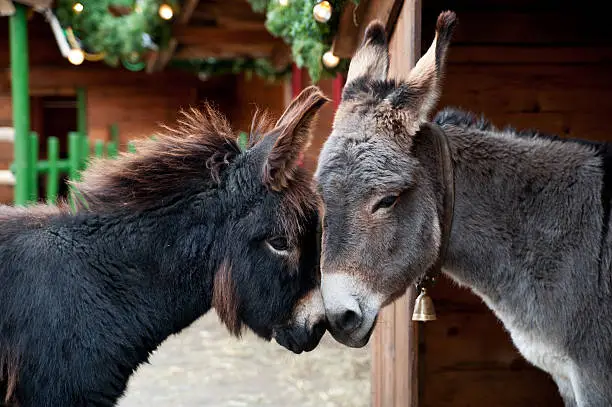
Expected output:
(158, 62)
(395, 346)
(206, 42)
(228, 14)
(45, 77)
(187, 10)
(354, 21)
(189, 35)
(346, 39)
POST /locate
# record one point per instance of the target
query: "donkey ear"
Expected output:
(421, 90)
(294, 136)
(372, 57)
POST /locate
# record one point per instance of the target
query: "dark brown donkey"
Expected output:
(187, 223)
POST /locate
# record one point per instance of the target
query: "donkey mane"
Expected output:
(193, 153)
(469, 120)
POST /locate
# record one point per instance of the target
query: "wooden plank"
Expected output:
(187, 10)
(63, 77)
(203, 35)
(518, 54)
(395, 345)
(227, 51)
(227, 14)
(161, 58)
(354, 21)
(578, 27)
(347, 37)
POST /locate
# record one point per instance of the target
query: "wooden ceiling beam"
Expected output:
(204, 36)
(158, 62)
(228, 50)
(187, 10)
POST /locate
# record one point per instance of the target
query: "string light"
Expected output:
(165, 11)
(78, 7)
(76, 56)
(322, 11)
(283, 3)
(330, 60)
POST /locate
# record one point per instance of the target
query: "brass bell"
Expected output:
(423, 308)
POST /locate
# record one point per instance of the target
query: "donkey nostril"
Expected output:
(349, 320)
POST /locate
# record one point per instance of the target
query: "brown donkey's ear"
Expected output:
(421, 90)
(372, 57)
(294, 136)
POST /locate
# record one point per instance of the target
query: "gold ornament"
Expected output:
(322, 11)
(165, 11)
(76, 56)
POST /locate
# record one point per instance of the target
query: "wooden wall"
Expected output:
(137, 102)
(544, 65)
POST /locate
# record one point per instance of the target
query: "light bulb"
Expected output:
(322, 11)
(283, 3)
(165, 12)
(78, 7)
(330, 60)
(76, 56)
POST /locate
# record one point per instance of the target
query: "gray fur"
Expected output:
(528, 235)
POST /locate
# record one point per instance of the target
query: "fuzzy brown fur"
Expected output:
(225, 299)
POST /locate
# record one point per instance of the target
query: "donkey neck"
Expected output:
(142, 277)
(161, 256)
(528, 217)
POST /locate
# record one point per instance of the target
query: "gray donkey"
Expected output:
(531, 224)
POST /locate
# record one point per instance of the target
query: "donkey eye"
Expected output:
(386, 202)
(279, 243)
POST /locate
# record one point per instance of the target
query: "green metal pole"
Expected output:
(81, 95)
(53, 174)
(84, 157)
(114, 133)
(131, 147)
(74, 155)
(18, 30)
(111, 149)
(99, 148)
(32, 170)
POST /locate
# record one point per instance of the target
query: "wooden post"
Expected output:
(395, 345)
(18, 29)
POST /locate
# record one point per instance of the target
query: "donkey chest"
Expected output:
(539, 352)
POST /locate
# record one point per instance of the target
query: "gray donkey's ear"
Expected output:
(372, 57)
(294, 130)
(421, 89)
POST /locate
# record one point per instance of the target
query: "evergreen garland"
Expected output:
(309, 39)
(123, 36)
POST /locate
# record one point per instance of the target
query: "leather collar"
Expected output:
(447, 181)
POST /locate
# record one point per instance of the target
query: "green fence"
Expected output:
(79, 153)
(53, 168)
